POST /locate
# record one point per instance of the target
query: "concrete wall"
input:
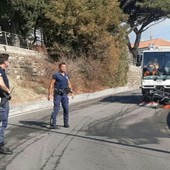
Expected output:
(16, 50)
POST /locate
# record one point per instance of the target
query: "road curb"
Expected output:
(45, 104)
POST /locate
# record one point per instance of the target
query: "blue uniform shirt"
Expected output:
(61, 81)
(4, 76)
(5, 79)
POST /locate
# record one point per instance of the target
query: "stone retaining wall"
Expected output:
(24, 62)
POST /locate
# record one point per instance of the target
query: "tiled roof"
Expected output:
(155, 42)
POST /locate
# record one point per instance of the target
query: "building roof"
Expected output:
(155, 42)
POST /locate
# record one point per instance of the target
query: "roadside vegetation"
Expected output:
(91, 36)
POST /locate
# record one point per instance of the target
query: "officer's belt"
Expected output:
(61, 91)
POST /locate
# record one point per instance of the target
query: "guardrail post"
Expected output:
(6, 41)
(27, 44)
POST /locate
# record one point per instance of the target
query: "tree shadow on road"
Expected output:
(133, 98)
(140, 132)
(92, 137)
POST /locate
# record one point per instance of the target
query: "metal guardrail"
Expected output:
(16, 40)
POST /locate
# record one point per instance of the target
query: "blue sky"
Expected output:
(160, 30)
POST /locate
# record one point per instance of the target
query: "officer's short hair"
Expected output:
(3, 57)
(62, 63)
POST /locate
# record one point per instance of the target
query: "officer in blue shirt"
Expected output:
(4, 101)
(59, 88)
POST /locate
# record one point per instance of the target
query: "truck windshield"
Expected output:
(156, 64)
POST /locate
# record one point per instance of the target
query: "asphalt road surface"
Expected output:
(109, 133)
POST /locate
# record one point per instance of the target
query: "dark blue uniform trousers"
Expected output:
(4, 111)
(63, 99)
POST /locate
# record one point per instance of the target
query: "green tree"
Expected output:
(141, 15)
(20, 16)
(80, 26)
(92, 30)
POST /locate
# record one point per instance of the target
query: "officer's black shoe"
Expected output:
(4, 150)
(54, 127)
(67, 126)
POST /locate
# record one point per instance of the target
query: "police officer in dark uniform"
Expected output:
(4, 101)
(59, 88)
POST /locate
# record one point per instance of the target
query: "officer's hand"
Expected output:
(50, 97)
(72, 95)
(8, 92)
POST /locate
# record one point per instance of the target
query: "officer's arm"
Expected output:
(70, 86)
(51, 88)
(3, 86)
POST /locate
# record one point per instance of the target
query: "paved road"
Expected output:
(110, 133)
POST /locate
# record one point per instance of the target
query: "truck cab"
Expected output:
(155, 82)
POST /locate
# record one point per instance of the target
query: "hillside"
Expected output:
(30, 72)
(23, 93)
